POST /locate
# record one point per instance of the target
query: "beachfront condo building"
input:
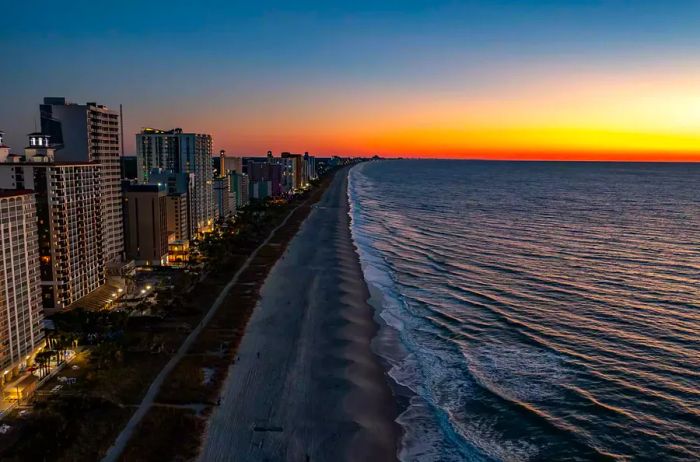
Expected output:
(239, 186)
(303, 169)
(69, 214)
(178, 152)
(310, 167)
(260, 189)
(224, 197)
(21, 315)
(176, 214)
(296, 170)
(180, 189)
(145, 210)
(265, 176)
(233, 164)
(91, 133)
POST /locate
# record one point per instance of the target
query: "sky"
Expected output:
(546, 79)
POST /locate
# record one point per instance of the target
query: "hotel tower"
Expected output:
(21, 316)
(91, 133)
(172, 151)
(68, 207)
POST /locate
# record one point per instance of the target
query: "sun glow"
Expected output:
(557, 114)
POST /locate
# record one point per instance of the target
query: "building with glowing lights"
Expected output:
(179, 152)
(91, 132)
(69, 212)
(224, 197)
(239, 187)
(21, 315)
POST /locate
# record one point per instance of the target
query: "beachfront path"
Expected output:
(306, 385)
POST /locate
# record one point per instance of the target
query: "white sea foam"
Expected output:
(435, 424)
(518, 372)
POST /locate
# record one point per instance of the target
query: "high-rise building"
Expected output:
(180, 189)
(265, 172)
(225, 198)
(68, 208)
(176, 213)
(91, 133)
(297, 169)
(21, 316)
(178, 152)
(233, 164)
(310, 167)
(260, 189)
(286, 174)
(146, 224)
(239, 187)
(245, 194)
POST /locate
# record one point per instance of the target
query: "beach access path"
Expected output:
(306, 385)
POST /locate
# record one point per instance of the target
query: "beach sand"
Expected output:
(306, 384)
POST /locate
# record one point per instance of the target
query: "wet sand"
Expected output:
(306, 385)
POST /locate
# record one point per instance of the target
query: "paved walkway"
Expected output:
(120, 443)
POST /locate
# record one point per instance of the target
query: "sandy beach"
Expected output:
(306, 384)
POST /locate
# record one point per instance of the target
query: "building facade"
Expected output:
(239, 187)
(224, 197)
(296, 170)
(176, 213)
(180, 189)
(69, 213)
(91, 133)
(269, 173)
(21, 315)
(233, 164)
(178, 152)
(146, 224)
(260, 189)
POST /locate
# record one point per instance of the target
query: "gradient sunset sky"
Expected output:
(476, 79)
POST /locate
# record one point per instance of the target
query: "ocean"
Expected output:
(536, 311)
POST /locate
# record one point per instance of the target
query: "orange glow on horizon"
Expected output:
(648, 113)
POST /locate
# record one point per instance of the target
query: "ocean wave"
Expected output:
(441, 390)
(534, 320)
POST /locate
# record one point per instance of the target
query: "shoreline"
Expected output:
(307, 384)
(386, 343)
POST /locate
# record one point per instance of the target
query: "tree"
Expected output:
(42, 359)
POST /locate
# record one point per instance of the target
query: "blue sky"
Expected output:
(227, 67)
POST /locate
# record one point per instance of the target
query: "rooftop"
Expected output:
(53, 164)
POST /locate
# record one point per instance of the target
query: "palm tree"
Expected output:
(42, 359)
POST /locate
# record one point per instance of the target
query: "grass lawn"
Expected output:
(165, 434)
